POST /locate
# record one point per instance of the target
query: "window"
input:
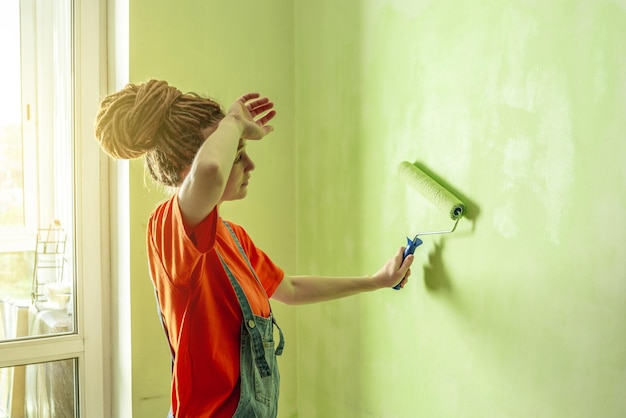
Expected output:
(36, 139)
(52, 349)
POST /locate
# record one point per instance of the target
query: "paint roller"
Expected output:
(438, 195)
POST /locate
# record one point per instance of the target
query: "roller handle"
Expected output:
(411, 245)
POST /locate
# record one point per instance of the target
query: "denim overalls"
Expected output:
(260, 379)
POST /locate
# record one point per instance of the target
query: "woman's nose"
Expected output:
(249, 163)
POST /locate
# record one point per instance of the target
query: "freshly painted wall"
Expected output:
(518, 107)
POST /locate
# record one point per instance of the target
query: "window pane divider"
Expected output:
(19, 352)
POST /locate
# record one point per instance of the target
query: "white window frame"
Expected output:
(90, 345)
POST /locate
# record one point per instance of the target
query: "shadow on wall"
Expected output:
(435, 276)
(438, 282)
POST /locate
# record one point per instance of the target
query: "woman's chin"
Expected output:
(240, 194)
(243, 192)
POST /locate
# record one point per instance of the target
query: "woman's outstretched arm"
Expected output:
(298, 290)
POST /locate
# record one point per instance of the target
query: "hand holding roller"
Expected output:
(411, 245)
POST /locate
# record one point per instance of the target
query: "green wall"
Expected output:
(516, 106)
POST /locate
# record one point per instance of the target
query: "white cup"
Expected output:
(58, 294)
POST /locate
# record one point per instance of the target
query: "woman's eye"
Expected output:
(239, 157)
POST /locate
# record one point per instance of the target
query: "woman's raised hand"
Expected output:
(254, 112)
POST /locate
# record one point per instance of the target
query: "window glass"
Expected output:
(11, 180)
(37, 278)
(39, 390)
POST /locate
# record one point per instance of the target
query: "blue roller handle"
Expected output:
(411, 245)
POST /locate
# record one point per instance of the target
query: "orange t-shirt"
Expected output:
(200, 308)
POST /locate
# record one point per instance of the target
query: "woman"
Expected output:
(213, 284)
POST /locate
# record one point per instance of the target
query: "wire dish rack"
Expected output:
(49, 260)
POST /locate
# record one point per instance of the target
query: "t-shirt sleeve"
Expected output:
(178, 248)
(268, 273)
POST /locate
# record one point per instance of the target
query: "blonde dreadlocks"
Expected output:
(159, 121)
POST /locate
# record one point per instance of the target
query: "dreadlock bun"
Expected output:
(159, 121)
(129, 119)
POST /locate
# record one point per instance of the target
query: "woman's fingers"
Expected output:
(257, 110)
(259, 106)
(255, 104)
(248, 96)
(263, 107)
(266, 118)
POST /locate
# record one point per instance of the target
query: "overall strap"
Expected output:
(244, 255)
(281, 343)
(249, 322)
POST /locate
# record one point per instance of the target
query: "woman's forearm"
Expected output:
(299, 290)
